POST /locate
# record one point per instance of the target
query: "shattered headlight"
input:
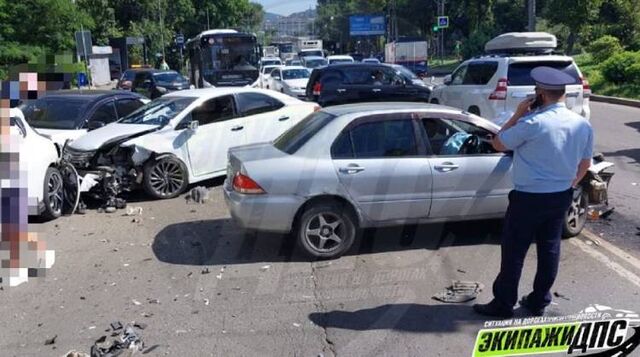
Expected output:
(77, 158)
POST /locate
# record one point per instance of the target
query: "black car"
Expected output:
(155, 83)
(80, 109)
(360, 82)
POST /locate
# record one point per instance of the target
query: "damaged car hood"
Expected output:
(95, 139)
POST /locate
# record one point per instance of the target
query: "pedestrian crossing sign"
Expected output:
(443, 22)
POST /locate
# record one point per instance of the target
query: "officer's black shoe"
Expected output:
(493, 309)
(535, 311)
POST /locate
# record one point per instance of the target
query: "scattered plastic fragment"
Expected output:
(459, 292)
(51, 340)
(115, 326)
(296, 324)
(136, 302)
(197, 195)
(558, 295)
(133, 211)
(206, 302)
(265, 267)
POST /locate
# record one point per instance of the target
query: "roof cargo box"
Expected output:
(522, 42)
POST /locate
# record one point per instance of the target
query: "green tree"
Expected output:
(574, 14)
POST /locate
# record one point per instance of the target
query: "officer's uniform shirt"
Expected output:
(547, 147)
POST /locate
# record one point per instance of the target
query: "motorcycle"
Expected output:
(591, 198)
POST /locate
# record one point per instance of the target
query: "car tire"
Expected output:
(474, 110)
(434, 101)
(53, 194)
(576, 216)
(165, 178)
(321, 225)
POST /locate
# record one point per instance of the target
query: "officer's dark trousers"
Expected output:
(531, 217)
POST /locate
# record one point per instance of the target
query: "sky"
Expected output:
(286, 7)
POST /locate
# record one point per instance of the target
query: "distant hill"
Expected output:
(269, 16)
(306, 13)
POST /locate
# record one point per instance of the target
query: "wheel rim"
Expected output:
(325, 232)
(577, 212)
(54, 192)
(166, 178)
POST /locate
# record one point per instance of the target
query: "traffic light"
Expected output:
(435, 28)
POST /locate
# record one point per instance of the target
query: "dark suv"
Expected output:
(359, 82)
(154, 83)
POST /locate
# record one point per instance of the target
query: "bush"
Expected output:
(604, 47)
(619, 68)
(633, 73)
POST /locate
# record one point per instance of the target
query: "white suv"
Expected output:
(493, 85)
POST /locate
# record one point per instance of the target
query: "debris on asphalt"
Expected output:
(153, 301)
(206, 302)
(295, 324)
(129, 339)
(74, 353)
(205, 271)
(140, 325)
(461, 271)
(558, 295)
(110, 209)
(136, 302)
(146, 314)
(51, 340)
(189, 275)
(459, 292)
(265, 267)
(198, 195)
(133, 211)
(115, 326)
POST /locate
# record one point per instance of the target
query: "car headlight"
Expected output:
(161, 89)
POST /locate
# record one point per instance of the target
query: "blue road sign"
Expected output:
(443, 22)
(367, 25)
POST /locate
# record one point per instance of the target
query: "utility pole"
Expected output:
(532, 15)
(161, 28)
(440, 39)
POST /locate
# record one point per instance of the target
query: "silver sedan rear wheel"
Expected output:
(326, 230)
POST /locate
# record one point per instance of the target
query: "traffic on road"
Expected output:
(282, 197)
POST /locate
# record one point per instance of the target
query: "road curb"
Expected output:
(615, 100)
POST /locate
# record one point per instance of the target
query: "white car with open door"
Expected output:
(290, 80)
(181, 138)
(38, 157)
(494, 84)
(265, 75)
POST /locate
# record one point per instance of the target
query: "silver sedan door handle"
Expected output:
(376, 90)
(446, 167)
(283, 118)
(350, 170)
(341, 90)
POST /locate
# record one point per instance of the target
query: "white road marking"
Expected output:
(617, 268)
(626, 256)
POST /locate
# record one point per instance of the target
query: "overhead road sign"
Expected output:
(367, 25)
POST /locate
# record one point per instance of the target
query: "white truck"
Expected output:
(306, 44)
(411, 54)
(270, 51)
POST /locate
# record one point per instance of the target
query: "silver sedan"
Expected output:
(369, 165)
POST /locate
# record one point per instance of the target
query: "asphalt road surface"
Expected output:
(203, 287)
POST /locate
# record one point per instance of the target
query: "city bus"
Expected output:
(222, 58)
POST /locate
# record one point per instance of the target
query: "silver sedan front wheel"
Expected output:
(326, 230)
(576, 216)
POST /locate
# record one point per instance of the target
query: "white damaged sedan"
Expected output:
(179, 139)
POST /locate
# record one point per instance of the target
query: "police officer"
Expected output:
(552, 149)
